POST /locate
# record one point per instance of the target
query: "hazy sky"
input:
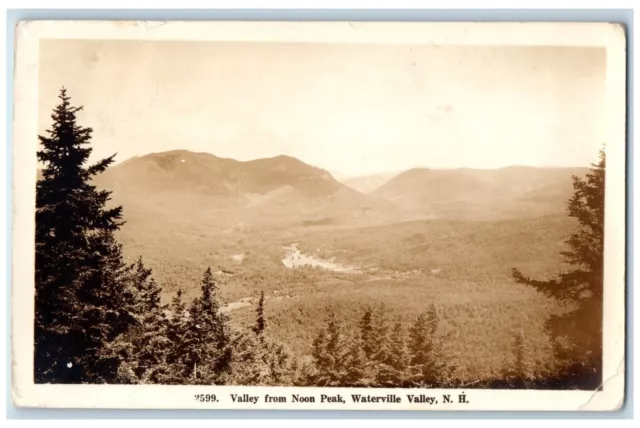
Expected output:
(346, 108)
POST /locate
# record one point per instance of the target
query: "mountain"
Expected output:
(482, 194)
(369, 183)
(206, 174)
(280, 189)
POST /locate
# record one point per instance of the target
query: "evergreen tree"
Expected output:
(428, 365)
(577, 334)
(307, 374)
(378, 337)
(395, 369)
(328, 352)
(281, 364)
(319, 351)
(373, 338)
(80, 299)
(260, 321)
(143, 350)
(515, 370)
(177, 351)
(206, 340)
(358, 368)
(248, 365)
(367, 332)
(177, 322)
(381, 335)
(399, 348)
(335, 349)
(257, 360)
(518, 353)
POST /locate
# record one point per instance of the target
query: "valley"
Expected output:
(312, 244)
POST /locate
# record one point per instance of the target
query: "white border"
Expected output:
(28, 35)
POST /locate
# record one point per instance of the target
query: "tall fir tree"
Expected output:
(335, 348)
(329, 352)
(428, 364)
(396, 368)
(248, 365)
(260, 320)
(358, 368)
(80, 298)
(281, 363)
(176, 325)
(381, 335)
(367, 332)
(577, 334)
(206, 340)
(143, 350)
(519, 363)
(176, 357)
(319, 351)
(256, 359)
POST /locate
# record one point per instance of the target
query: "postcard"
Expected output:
(319, 215)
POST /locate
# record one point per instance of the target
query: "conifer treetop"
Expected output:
(585, 246)
(69, 142)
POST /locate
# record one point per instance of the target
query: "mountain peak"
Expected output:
(190, 172)
(180, 153)
(285, 158)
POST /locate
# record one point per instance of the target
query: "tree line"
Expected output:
(99, 319)
(379, 352)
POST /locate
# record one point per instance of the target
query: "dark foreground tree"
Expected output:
(367, 332)
(80, 300)
(142, 351)
(205, 341)
(428, 365)
(258, 360)
(260, 321)
(330, 348)
(577, 334)
(176, 354)
(515, 372)
(395, 370)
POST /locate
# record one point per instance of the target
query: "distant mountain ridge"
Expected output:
(460, 193)
(285, 190)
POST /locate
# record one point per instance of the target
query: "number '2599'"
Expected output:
(206, 398)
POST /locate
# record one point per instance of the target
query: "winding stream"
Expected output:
(294, 258)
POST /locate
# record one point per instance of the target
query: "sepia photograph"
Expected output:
(310, 214)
